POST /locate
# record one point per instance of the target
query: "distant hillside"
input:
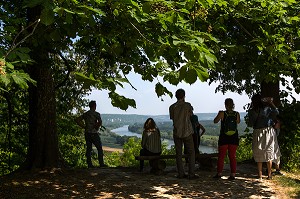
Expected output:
(128, 119)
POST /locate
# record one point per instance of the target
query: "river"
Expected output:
(124, 131)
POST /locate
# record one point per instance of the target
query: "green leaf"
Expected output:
(69, 18)
(23, 56)
(211, 59)
(116, 12)
(172, 78)
(98, 11)
(9, 65)
(54, 35)
(182, 72)
(32, 3)
(5, 79)
(121, 101)
(47, 16)
(87, 81)
(202, 73)
(176, 42)
(191, 76)
(146, 7)
(59, 11)
(19, 81)
(161, 90)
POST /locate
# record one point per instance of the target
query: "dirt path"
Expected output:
(129, 183)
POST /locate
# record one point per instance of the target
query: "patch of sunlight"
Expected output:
(26, 184)
(104, 195)
(15, 183)
(94, 173)
(90, 185)
(261, 197)
(135, 196)
(56, 186)
(75, 192)
(161, 192)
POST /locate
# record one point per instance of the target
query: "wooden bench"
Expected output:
(158, 163)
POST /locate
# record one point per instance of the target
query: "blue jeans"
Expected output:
(90, 139)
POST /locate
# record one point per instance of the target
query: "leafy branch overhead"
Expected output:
(239, 43)
(158, 42)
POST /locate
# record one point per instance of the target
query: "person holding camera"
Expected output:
(262, 116)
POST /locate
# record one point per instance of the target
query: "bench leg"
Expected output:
(208, 163)
(157, 166)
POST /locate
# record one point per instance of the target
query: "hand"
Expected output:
(97, 125)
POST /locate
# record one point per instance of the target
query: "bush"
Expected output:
(289, 137)
(244, 151)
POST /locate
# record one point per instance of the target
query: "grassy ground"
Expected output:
(291, 183)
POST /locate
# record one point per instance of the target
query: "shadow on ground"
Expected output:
(129, 183)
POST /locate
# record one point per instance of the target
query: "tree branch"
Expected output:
(139, 32)
(69, 70)
(15, 45)
(129, 82)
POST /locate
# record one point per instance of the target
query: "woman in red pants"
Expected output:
(228, 138)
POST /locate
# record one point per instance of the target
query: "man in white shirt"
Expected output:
(180, 113)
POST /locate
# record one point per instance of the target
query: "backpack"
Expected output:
(229, 123)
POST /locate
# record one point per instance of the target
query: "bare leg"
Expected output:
(277, 167)
(269, 166)
(259, 167)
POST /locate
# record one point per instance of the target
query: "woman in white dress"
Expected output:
(261, 117)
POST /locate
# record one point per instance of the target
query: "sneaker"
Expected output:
(217, 176)
(193, 177)
(277, 172)
(231, 178)
(269, 178)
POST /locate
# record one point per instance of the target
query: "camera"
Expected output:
(267, 99)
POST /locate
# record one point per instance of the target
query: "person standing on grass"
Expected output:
(228, 138)
(180, 113)
(151, 142)
(91, 122)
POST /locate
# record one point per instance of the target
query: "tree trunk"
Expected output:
(43, 139)
(43, 150)
(271, 89)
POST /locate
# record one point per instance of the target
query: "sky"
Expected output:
(201, 95)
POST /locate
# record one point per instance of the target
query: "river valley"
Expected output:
(123, 131)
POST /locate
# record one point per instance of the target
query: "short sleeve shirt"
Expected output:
(90, 119)
(180, 113)
(265, 117)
